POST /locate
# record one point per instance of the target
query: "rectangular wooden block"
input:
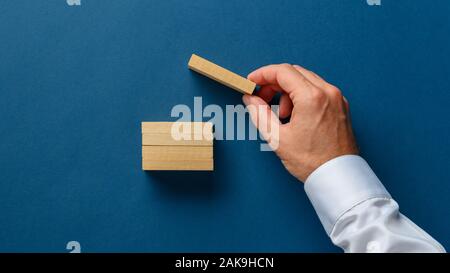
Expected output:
(166, 127)
(167, 140)
(221, 75)
(177, 133)
(188, 165)
(177, 153)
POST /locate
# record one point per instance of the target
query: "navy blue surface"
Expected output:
(75, 83)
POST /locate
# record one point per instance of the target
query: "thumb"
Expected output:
(264, 119)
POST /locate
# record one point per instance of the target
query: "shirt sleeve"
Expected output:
(359, 214)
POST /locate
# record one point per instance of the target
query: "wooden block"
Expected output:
(177, 133)
(166, 127)
(167, 140)
(188, 165)
(177, 153)
(221, 75)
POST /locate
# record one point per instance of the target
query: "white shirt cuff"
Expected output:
(340, 184)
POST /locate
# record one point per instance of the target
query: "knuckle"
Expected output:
(298, 67)
(334, 92)
(286, 66)
(317, 96)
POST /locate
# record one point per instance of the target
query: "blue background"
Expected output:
(75, 83)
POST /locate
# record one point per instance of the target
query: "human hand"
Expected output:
(319, 128)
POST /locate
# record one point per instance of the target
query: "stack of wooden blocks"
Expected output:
(176, 146)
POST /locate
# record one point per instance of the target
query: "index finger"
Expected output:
(285, 76)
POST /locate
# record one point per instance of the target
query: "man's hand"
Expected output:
(319, 128)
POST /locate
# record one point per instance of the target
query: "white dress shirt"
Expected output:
(358, 213)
